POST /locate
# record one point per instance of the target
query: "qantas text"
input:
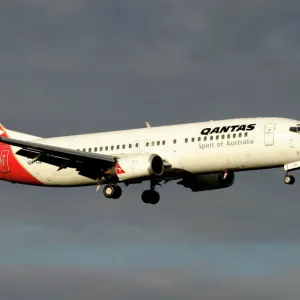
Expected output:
(225, 129)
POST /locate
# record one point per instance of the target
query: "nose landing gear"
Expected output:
(289, 179)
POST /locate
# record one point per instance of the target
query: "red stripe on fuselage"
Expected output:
(11, 170)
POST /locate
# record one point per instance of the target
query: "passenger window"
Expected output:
(228, 136)
(106, 148)
(136, 145)
(186, 140)
(223, 136)
(130, 146)
(217, 137)
(112, 147)
(163, 142)
(101, 149)
(96, 149)
(234, 135)
(90, 149)
(123, 147)
(246, 134)
(211, 137)
(193, 140)
(205, 138)
(174, 141)
(199, 139)
(158, 143)
(240, 134)
(147, 144)
(153, 143)
(118, 147)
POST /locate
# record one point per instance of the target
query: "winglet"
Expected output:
(148, 125)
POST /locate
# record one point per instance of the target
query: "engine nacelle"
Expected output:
(137, 166)
(198, 183)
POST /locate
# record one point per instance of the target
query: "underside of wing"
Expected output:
(91, 165)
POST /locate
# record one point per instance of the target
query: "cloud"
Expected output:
(92, 283)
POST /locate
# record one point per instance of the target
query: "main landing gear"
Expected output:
(151, 196)
(112, 191)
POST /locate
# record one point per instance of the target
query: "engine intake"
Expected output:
(156, 165)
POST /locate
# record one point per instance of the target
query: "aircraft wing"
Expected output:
(91, 165)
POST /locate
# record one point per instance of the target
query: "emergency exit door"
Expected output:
(269, 134)
(4, 161)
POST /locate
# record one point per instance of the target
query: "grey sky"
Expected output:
(88, 283)
(71, 67)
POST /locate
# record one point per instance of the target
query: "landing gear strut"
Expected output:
(151, 196)
(112, 191)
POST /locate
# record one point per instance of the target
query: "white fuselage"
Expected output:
(196, 150)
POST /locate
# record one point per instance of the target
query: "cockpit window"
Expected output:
(295, 129)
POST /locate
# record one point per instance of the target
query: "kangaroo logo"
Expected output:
(4, 161)
(119, 170)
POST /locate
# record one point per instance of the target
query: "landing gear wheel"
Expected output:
(289, 179)
(112, 191)
(151, 197)
(118, 192)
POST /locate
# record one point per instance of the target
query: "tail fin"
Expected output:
(12, 169)
(4, 132)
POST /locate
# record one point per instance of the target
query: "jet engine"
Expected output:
(205, 182)
(137, 166)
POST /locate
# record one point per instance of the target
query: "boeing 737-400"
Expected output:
(200, 156)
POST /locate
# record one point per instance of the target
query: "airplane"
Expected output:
(201, 156)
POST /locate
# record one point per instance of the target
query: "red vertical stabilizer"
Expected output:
(11, 169)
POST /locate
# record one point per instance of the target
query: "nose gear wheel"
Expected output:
(289, 179)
